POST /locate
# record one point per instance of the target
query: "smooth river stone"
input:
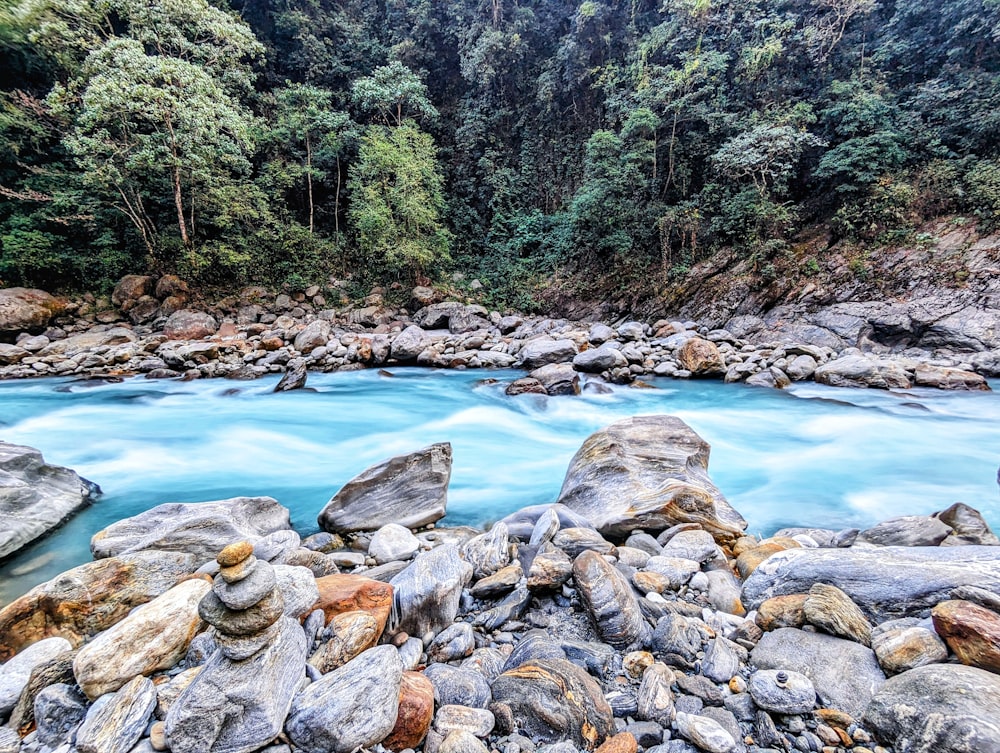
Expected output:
(458, 686)
(655, 700)
(455, 642)
(488, 552)
(153, 637)
(909, 530)
(460, 741)
(14, 674)
(416, 711)
(782, 691)
(475, 721)
(940, 708)
(343, 592)
(844, 673)
(832, 611)
(393, 542)
(247, 592)
(239, 706)
(428, 593)
(907, 646)
(354, 706)
(349, 634)
(707, 734)
(242, 622)
(886, 582)
(90, 598)
(971, 631)
(550, 568)
(298, 588)
(610, 600)
(116, 722)
(411, 490)
(199, 528)
(647, 472)
(553, 700)
(501, 582)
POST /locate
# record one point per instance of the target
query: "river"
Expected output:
(809, 455)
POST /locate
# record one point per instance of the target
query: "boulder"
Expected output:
(701, 358)
(189, 325)
(35, 497)
(90, 598)
(315, 335)
(429, 591)
(393, 542)
(436, 315)
(15, 673)
(909, 530)
(845, 674)
(545, 350)
(171, 286)
(557, 379)
(832, 611)
(27, 310)
(198, 528)
(941, 708)
(488, 552)
(553, 700)
(59, 708)
(54, 671)
(861, 371)
(348, 635)
(971, 632)
(294, 378)
(944, 378)
(355, 706)
(610, 601)
(116, 723)
(342, 592)
(86, 342)
(901, 647)
(886, 582)
(153, 637)
(648, 472)
(409, 343)
(967, 526)
(11, 354)
(130, 289)
(525, 386)
(596, 360)
(411, 490)
(458, 686)
(416, 711)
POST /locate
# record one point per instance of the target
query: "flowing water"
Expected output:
(810, 455)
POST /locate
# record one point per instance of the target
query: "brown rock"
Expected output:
(234, 554)
(701, 357)
(750, 558)
(831, 610)
(25, 309)
(189, 325)
(526, 386)
(350, 634)
(171, 285)
(944, 378)
(649, 582)
(901, 649)
(782, 611)
(416, 711)
(971, 631)
(623, 742)
(351, 593)
(130, 289)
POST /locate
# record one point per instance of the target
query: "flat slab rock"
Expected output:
(648, 472)
(35, 497)
(886, 582)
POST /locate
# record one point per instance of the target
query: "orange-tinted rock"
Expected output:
(416, 711)
(343, 592)
(623, 742)
(749, 559)
(971, 631)
(782, 611)
(234, 554)
(701, 357)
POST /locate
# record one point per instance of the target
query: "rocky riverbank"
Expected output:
(632, 614)
(153, 327)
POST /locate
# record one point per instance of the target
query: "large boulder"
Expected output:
(35, 497)
(198, 528)
(648, 472)
(941, 708)
(596, 360)
(130, 289)
(90, 598)
(411, 490)
(545, 350)
(315, 335)
(190, 325)
(861, 371)
(609, 598)
(14, 674)
(26, 310)
(428, 592)
(409, 343)
(87, 342)
(701, 358)
(972, 632)
(341, 593)
(886, 582)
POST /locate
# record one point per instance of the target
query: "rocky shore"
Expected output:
(634, 613)
(154, 327)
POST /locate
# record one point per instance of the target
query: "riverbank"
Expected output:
(149, 331)
(634, 614)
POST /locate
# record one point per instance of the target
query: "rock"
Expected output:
(416, 711)
(116, 723)
(705, 733)
(545, 350)
(455, 642)
(574, 541)
(772, 378)
(393, 542)
(348, 635)
(239, 706)
(623, 742)
(343, 592)
(153, 637)
(971, 632)
(596, 360)
(801, 368)
(525, 386)
(59, 708)
(242, 623)
(550, 568)
(457, 686)
(488, 552)
(473, 721)
(171, 286)
(941, 708)
(902, 648)
(131, 288)
(557, 379)
(647, 472)
(298, 589)
(782, 611)
(35, 497)
(861, 371)
(600, 333)
(353, 706)
(552, 700)
(58, 670)
(27, 310)
(294, 378)
(189, 325)
(690, 545)
(90, 598)
(845, 674)
(198, 528)
(942, 378)
(885, 582)
(521, 524)
(14, 674)
(911, 530)
(677, 641)
(610, 601)
(410, 490)
(460, 741)
(315, 335)
(967, 526)
(782, 691)
(722, 660)
(436, 315)
(409, 344)
(428, 592)
(501, 582)
(655, 700)
(701, 358)
(676, 571)
(11, 354)
(832, 611)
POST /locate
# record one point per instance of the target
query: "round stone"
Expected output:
(239, 571)
(234, 553)
(245, 593)
(157, 736)
(782, 691)
(240, 622)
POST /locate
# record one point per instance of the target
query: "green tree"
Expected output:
(392, 94)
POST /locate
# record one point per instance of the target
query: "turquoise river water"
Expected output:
(809, 455)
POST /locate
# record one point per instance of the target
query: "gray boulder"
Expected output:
(596, 360)
(15, 673)
(942, 708)
(648, 472)
(190, 325)
(861, 371)
(352, 707)
(427, 594)
(35, 497)
(886, 582)
(411, 490)
(545, 350)
(557, 379)
(59, 708)
(26, 309)
(315, 335)
(845, 674)
(198, 528)
(294, 378)
(909, 530)
(610, 600)
(116, 722)
(409, 343)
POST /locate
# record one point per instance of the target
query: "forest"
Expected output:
(282, 141)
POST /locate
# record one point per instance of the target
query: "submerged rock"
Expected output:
(648, 472)
(411, 490)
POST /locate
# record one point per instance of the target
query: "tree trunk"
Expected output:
(336, 203)
(309, 180)
(179, 201)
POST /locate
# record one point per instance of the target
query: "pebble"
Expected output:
(233, 554)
